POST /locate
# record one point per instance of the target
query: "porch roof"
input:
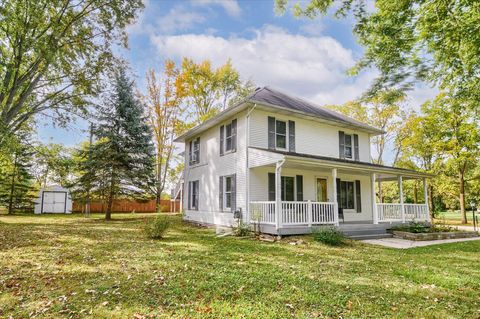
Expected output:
(388, 172)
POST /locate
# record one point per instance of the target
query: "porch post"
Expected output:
(309, 212)
(335, 206)
(278, 195)
(400, 187)
(374, 200)
(425, 192)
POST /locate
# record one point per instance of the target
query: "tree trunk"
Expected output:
(430, 197)
(111, 195)
(12, 186)
(462, 198)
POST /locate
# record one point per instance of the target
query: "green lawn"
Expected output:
(68, 266)
(454, 217)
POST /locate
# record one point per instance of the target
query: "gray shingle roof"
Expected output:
(272, 97)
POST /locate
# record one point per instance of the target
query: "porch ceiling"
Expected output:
(318, 163)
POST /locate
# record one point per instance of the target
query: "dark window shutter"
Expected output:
(222, 140)
(189, 195)
(291, 136)
(271, 186)
(190, 155)
(234, 135)
(220, 192)
(356, 150)
(198, 152)
(271, 133)
(339, 188)
(197, 193)
(341, 144)
(299, 179)
(233, 201)
(358, 196)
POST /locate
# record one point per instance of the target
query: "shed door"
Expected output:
(54, 202)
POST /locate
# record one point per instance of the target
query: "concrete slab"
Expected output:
(405, 244)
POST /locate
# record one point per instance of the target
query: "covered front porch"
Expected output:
(292, 195)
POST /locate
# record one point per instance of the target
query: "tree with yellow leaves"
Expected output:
(165, 111)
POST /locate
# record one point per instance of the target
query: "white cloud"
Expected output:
(311, 67)
(179, 19)
(230, 6)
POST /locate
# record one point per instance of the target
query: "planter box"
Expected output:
(433, 236)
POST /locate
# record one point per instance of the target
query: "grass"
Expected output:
(71, 267)
(454, 217)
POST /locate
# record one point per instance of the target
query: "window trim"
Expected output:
(346, 192)
(191, 193)
(194, 153)
(345, 146)
(286, 135)
(225, 193)
(228, 137)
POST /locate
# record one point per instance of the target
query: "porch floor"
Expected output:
(355, 230)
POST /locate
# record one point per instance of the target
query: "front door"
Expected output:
(321, 189)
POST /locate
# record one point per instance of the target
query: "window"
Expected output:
(288, 192)
(228, 191)
(347, 195)
(193, 195)
(281, 134)
(348, 146)
(228, 137)
(194, 151)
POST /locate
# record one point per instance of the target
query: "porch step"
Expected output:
(370, 236)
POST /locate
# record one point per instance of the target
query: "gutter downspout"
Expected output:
(247, 170)
(278, 193)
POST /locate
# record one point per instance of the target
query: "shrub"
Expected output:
(419, 227)
(157, 227)
(329, 235)
(242, 229)
(413, 227)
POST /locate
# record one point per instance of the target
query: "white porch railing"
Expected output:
(416, 212)
(263, 212)
(294, 213)
(388, 212)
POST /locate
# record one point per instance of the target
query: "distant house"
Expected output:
(53, 199)
(288, 165)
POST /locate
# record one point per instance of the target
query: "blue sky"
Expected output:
(308, 58)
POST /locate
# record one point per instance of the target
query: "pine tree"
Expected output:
(16, 181)
(121, 161)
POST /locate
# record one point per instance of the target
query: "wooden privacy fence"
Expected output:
(127, 206)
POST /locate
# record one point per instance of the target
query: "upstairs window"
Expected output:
(281, 134)
(348, 146)
(228, 137)
(194, 151)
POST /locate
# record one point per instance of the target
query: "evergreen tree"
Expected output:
(120, 163)
(16, 181)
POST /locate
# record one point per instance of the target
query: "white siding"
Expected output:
(208, 171)
(311, 137)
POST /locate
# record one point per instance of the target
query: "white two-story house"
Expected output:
(288, 165)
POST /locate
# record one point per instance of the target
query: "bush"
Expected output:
(242, 230)
(329, 235)
(419, 227)
(157, 227)
(413, 227)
